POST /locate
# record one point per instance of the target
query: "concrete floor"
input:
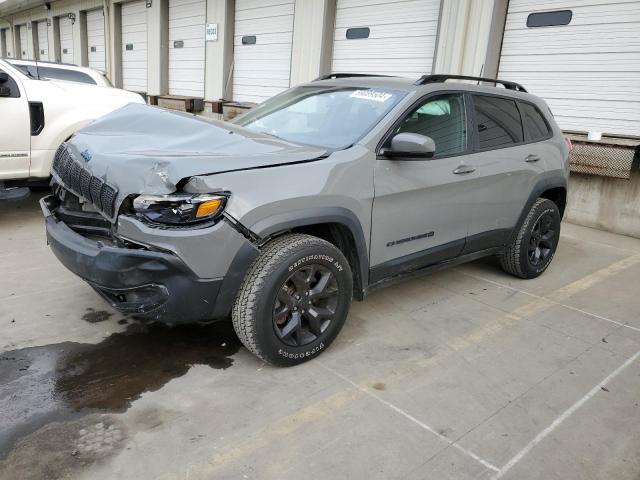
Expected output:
(467, 373)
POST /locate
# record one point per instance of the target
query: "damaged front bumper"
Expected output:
(152, 284)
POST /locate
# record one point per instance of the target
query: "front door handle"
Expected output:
(464, 169)
(531, 158)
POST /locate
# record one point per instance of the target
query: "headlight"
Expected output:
(179, 208)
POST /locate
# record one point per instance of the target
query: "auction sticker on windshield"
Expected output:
(371, 95)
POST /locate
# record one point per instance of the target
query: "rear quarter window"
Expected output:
(66, 75)
(498, 122)
(535, 126)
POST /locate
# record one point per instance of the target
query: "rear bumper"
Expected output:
(151, 284)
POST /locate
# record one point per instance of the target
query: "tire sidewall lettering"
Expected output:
(315, 258)
(297, 355)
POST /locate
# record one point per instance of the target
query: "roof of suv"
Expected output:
(430, 83)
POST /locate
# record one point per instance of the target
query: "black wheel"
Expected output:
(294, 299)
(535, 244)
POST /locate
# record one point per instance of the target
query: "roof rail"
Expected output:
(443, 77)
(329, 76)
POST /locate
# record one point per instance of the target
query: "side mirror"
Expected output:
(4, 77)
(411, 146)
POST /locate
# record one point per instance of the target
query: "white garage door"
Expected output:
(43, 40)
(24, 45)
(66, 40)
(588, 70)
(3, 42)
(262, 43)
(134, 46)
(396, 37)
(95, 39)
(186, 47)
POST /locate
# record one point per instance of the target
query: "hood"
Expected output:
(143, 149)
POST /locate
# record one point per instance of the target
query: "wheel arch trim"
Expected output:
(547, 182)
(284, 222)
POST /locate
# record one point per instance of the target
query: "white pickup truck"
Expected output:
(37, 115)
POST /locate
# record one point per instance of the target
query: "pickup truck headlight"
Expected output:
(179, 208)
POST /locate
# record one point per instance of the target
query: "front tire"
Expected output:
(294, 299)
(534, 246)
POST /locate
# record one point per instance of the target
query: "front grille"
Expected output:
(79, 180)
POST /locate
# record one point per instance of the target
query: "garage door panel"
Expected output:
(595, 62)
(248, 81)
(604, 13)
(588, 70)
(536, 5)
(599, 108)
(280, 66)
(190, 32)
(186, 7)
(279, 77)
(575, 40)
(401, 12)
(264, 68)
(275, 11)
(258, 27)
(259, 52)
(187, 62)
(415, 29)
(43, 40)
(267, 39)
(188, 55)
(391, 66)
(135, 58)
(134, 46)
(358, 3)
(24, 42)
(256, 94)
(401, 39)
(137, 37)
(95, 39)
(581, 124)
(242, 5)
(66, 40)
(381, 48)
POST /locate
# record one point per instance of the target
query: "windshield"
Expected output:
(325, 116)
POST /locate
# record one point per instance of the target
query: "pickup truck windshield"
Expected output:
(326, 116)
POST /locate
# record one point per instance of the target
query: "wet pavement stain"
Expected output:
(60, 450)
(96, 316)
(62, 382)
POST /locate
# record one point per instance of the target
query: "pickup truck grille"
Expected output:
(79, 180)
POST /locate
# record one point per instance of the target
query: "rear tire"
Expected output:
(294, 299)
(534, 246)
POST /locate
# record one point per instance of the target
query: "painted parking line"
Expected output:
(560, 419)
(411, 418)
(569, 290)
(329, 406)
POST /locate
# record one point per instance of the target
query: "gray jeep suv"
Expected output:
(318, 195)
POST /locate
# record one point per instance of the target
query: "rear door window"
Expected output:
(498, 122)
(535, 126)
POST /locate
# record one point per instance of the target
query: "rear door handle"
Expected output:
(464, 169)
(531, 158)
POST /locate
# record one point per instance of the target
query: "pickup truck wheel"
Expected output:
(534, 246)
(294, 299)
